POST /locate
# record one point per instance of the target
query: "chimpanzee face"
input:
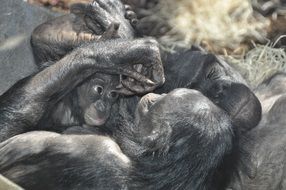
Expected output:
(96, 97)
(178, 102)
(181, 107)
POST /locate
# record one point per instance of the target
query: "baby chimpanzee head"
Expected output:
(96, 97)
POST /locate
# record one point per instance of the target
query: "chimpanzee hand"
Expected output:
(98, 21)
(138, 60)
(100, 14)
(32, 97)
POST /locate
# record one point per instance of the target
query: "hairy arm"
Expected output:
(23, 105)
(96, 21)
(226, 88)
(216, 80)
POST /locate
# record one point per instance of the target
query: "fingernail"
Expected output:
(148, 81)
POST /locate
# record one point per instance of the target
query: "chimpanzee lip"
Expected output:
(95, 122)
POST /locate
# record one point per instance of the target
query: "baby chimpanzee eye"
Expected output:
(98, 89)
(113, 94)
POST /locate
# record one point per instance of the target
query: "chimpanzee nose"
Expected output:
(99, 106)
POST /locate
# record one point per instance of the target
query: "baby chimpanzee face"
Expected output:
(96, 98)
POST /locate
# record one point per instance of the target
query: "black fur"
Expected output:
(180, 148)
(183, 140)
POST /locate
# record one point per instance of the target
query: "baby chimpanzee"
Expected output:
(88, 104)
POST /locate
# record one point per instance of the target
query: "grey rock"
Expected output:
(5, 184)
(17, 21)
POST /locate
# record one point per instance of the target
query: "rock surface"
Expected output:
(5, 184)
(17, 21)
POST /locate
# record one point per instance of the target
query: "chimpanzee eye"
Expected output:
(113, 94)
(98, 89)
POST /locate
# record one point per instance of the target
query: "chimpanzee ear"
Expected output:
(79, 8)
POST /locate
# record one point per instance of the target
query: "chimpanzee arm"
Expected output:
(216, 80)
(65, 162)
(97, 21)
(219, 82)
(22, 106)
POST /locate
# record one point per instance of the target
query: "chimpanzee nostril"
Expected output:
(99, 106)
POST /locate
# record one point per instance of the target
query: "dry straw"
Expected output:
(228, 27)
(260, 63)
(221, 26)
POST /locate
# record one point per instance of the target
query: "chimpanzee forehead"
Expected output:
(184, 99)
(185, 94)
(104, 79)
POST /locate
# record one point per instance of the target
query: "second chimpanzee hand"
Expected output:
(97, 21)
(138, 60)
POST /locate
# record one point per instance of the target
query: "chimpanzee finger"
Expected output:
(99, 15)
(137, 76)
(158, 75)
(93, 15)
(125, 91)
(127, 7)
(121, 89)
(131, 86)
(128, 73)
(85, 37)
(93, 25)
(104, 4)
(137, 87)
(130, 15)
(134, 22)
(111, 32)
(111, 5)
(79, 8)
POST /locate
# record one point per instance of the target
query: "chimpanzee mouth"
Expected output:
(94, 120)
(148, 101)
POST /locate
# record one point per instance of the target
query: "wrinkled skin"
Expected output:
(92, 161)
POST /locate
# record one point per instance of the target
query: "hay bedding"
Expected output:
(260, 63)
(241, 30)
(244, 32)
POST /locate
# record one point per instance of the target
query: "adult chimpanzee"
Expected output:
(43, 90)
(90, 103)
(262, 163)
(198, 70)
(178, 141)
